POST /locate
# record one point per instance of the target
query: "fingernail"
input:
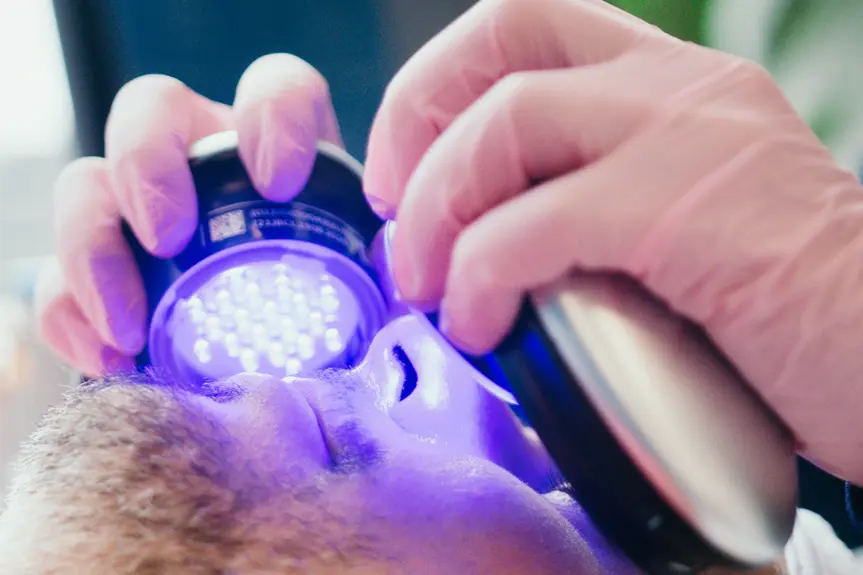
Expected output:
(174, 228)
(165, 224)
(381, 208)
(149, 236)
(65, 338)
(115, 362)
(410, 290)
(132, 340)
(263, 166)
(125, 321)
(408, 281)
(444, 324)
(445, 327)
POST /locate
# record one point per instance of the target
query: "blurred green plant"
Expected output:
(681, 18)
(788, 25)
(812, 47)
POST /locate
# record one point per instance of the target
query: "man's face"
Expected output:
(328, 475)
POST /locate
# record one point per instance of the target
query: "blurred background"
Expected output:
(62, 62)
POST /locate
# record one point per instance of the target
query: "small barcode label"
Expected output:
(227, 225)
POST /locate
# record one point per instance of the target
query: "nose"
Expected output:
(448, 409)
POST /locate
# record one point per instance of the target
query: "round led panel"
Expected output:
(281, 307)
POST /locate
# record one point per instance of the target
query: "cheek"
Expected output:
(472, 517)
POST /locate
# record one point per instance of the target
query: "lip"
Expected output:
(313, 407)
(350, 444)
(322, 428)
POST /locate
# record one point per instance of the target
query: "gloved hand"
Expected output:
(90, 301)
(532, 137)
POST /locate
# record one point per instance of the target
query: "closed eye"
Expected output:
(222, 392)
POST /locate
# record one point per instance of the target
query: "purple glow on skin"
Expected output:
(283, 308)
(443, 410)
(455, 503)
(382, 257)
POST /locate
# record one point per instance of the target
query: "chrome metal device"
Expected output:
(670, 452)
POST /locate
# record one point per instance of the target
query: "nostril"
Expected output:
(410, 373)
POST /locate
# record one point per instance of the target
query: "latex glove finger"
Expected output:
(490, 41)
(529, 127)
(511, 141)
(94, 257)
(565, 223)
(153, 121)
(281, 110)
(788, 323)
(62, 325)
(741, 221)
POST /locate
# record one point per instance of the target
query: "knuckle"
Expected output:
(74, 187)
(397, 98)
(283, 62)
(511, 14)
(275, 75)
(512, 86)
(130, 121)
(754, 72)
(153, 87)
(49, 287)
(512, 97)
(52, 301)
(765, 85)
(81, 169)
(762, 87)
(142, 158)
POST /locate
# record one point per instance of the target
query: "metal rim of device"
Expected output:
(226, 143)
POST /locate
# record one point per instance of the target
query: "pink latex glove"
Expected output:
(532, 137)
(91, 302)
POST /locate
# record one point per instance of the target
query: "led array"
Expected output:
(267, 312)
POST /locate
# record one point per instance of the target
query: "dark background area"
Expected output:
(356, 44)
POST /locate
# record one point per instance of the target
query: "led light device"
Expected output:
(277, 288)
(672, 455)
